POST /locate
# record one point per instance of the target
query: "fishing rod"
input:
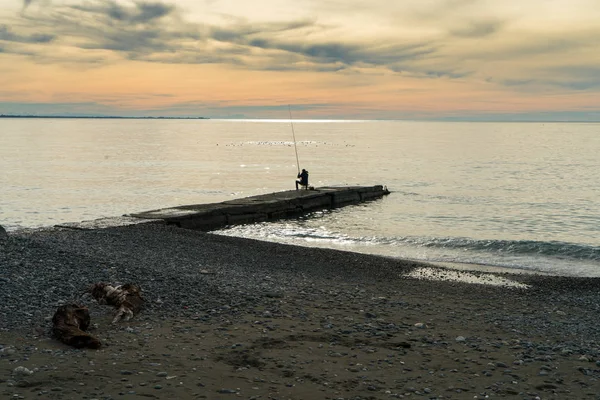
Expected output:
(294, 136)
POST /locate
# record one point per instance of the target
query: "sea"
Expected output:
(522, 197)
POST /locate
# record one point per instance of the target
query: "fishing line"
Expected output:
(294, 136)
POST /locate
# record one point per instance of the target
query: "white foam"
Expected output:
(463, 276)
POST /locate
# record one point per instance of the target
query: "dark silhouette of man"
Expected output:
(303, 179)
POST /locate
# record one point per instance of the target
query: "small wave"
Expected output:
(515, 247)
(285, 231)
(554, 249)
(547, 257)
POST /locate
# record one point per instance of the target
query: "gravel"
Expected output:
(194, 274)
(177, 269)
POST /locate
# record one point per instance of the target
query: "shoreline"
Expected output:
(238, 317)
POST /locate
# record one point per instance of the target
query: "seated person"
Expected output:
(303, 179)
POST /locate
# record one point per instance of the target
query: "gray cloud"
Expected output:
(136, 30)
(582, 77)
(141, 12)
(477, 29)
(156, 32)
(7, 35)
(240, 32)
(574, 78)
(516, 82)
(550, 48)
(325, 56)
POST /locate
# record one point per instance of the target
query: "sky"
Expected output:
(332, 59)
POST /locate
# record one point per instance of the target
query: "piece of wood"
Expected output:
(127, 299)
(70, 321)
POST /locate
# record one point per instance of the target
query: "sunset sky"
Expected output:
(372, 59)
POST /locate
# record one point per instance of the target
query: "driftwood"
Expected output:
(69, 324)
(127, 299)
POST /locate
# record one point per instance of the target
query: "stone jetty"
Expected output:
(265, 207)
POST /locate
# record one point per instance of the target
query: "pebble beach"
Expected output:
(232, 318)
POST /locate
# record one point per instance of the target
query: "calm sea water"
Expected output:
(516, 195)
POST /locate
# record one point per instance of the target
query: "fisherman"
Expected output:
(303, 179)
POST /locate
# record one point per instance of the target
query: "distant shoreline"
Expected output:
(93, 117)
(521, 121)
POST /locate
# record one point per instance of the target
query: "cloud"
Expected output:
(582, 77)
(158, 32)
(477, 29)
(570, 77)
(241, 29)
(139, 13)
(136, 30)
(532, 44)
(6, 34)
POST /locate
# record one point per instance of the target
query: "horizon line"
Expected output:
(439, 119)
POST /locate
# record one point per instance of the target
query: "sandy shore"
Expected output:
(237, 318)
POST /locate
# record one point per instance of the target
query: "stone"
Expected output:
(22, 371)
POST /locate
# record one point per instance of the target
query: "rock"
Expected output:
(3, 233)
(22, 371)
(584, 371)
(546, 386)
(460, 339)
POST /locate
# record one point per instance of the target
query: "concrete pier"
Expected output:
(264, 207)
